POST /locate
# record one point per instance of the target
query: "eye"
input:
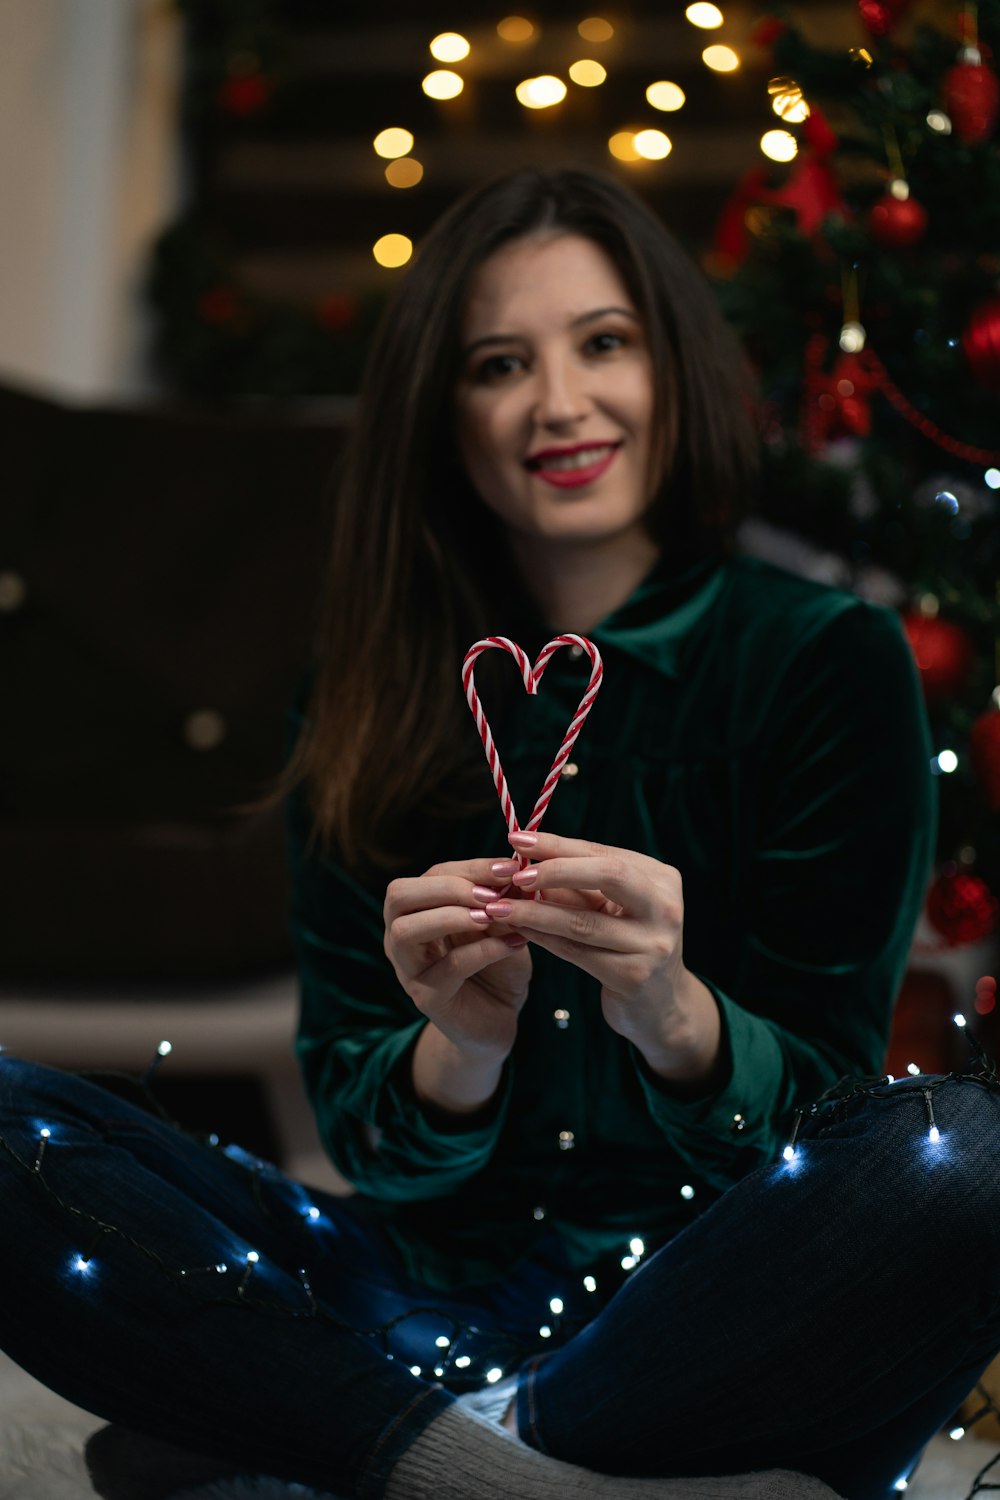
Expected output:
(497, 366)
(605, 342)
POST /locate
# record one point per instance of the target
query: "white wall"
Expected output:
(89, 172)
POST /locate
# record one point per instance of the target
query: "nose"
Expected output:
(561, 397)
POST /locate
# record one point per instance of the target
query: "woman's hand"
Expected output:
(619, 916)
(468, 976)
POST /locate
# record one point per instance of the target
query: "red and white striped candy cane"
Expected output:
(532, 676)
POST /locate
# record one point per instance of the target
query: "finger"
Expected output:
(602, 964)
(408, 936)
(446, 976)
(444, 888)
(641, 886)
(581, 925)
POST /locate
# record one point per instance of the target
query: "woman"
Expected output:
(564, 1117)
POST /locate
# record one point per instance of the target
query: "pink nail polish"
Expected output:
(523, 840)
(526, 877)
(505, 867)
(484, 894)
(499, 909)
(480, 918)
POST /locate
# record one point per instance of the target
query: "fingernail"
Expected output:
(523, 840)
(479, 917)
(514, 940)
(484, 893)
(526, 877)
(504, 867)
(499, 908)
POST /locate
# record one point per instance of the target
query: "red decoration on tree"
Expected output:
(880, 16)
(942, 651)
(972, 97)
(981, 343)
(984, 752)
(244, 94)
(961, 907)
(986, 995)
(896, 223)
(767, 31)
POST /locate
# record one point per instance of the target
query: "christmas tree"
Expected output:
(864, 276)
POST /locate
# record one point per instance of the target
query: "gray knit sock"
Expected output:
(461, 1456)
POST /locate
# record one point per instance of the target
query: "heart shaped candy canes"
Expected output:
(532, 676)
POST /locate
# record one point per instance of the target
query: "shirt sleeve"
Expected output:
(844, 833)
(357, 1031)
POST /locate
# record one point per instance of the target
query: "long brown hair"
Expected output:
(414, 549)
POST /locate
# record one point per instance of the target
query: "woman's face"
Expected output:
(554, 399)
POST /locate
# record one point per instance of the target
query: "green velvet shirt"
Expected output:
(764, 735)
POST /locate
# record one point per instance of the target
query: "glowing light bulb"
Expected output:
(720, 59)
(939, 121)
(416, 1370)
(992, 478)
(222, 1268)
(589, 1284)
(665, 96)
(541, 92)
(493, 1375)
(708, 17)
(653, 145)
(787, 101)
(392, 250)
(442, 84)
(252, 1257)
(312, 1213)
(404, 173)
(637, 1247)
(81, 1264)
(395, 141)
(596, 29)
(779, 145)
(515, 29)
(587, 73)
(959, 1020)
(450, 46)
(789, 1153)
(545, 1332)
(901, 1484)
(556, 1305)
(164, 1049)
(622, 146)
(45, 1133)
(463, 1362)
(933, 1135)
(913, 1070)
(956, 1434)
(687, 1192)
(947, 761)
(438, 1369)
(629, 1262)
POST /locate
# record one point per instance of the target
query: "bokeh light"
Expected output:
(652, 145)
(393, 142)
(541, 92)
(779, 145)
(404, 173)
(666, 96)
(442, 84)
(587, 73)
(622, 146)
(515, 29)
(392, 250)
(596, 29)
(450, 46)
(787, 101)
(706, 16)
(720, 59)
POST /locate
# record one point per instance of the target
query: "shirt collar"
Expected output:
(663, 618)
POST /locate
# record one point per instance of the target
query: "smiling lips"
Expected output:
(567, 468)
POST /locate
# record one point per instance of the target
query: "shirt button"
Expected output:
(739, 1123)
(561, 1018)
(570, 769)
(576, 652)
(566, 1140)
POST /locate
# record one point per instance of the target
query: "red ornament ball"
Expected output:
(984, 753)
(961, 907)
(244, 94)
(880, 16)
(943, 653)
(896, 223)
(986, 995)
(981, 343)
(972, 98)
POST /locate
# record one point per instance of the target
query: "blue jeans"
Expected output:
(828, 1314)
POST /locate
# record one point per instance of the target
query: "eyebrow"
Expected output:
(511, 338)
